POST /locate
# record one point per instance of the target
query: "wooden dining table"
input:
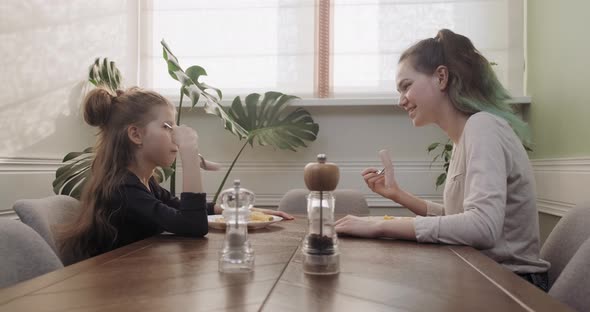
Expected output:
(173, 273)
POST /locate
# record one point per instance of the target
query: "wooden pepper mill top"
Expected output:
(321, 175)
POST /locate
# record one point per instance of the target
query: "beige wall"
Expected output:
(547, 222)
(558, 61)
(558, 68)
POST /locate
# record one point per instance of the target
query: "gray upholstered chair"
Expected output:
(23, 253)
(573, 284)
(565, 239)
(348, 201)
(294, 201)
(42, 214)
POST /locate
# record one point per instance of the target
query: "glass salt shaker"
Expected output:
(320, 246)
(237, 254)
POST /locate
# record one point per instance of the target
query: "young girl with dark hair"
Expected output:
(121, 202)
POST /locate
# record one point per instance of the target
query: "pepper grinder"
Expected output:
(320, 246)
(237, 254)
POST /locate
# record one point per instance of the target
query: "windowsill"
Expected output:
(344, 102)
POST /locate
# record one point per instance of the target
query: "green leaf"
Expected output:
(445, 155)
(441, 179)
(76, 182)
(73, 155)
(70, 169)
(195, 90)
(208, 87)
(71, 177)
(268, 123)
(161, 174)
(251, 110)
(105, 74)
(433, 146)
(65, 173)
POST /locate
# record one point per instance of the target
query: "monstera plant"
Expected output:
(261, 119)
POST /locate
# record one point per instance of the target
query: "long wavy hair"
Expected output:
(473, 86)
(92, 230)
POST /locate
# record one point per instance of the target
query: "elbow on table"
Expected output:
(192, 229)
(196, 226)
(483, 232)
(483, 243)
(199, 231)
(485, 238)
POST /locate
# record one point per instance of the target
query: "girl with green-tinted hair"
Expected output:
(473, 86)
(489, 195)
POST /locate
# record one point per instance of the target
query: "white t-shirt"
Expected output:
(489, 198)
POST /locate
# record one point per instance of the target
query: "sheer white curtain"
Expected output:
(47, 48)
(370, 35)
(260, 45)
(245, 45)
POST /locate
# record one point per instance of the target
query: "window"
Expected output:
(261, 45)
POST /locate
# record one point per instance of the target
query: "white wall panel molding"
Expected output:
(32, 177)
(561, 183)
(25, 178)
(20, 164)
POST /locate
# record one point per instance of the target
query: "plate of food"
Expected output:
(257, 220)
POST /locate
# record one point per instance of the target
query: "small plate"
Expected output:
(214, 224)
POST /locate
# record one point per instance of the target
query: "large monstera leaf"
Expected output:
(71, 177)
(194, 89)
(267, 122)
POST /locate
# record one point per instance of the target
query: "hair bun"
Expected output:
(98, 106)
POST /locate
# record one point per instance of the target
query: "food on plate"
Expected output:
(255, 216)
(386, 217)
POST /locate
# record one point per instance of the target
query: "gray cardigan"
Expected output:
(489, 198)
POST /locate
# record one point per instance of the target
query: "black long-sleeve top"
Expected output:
(141, 213)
